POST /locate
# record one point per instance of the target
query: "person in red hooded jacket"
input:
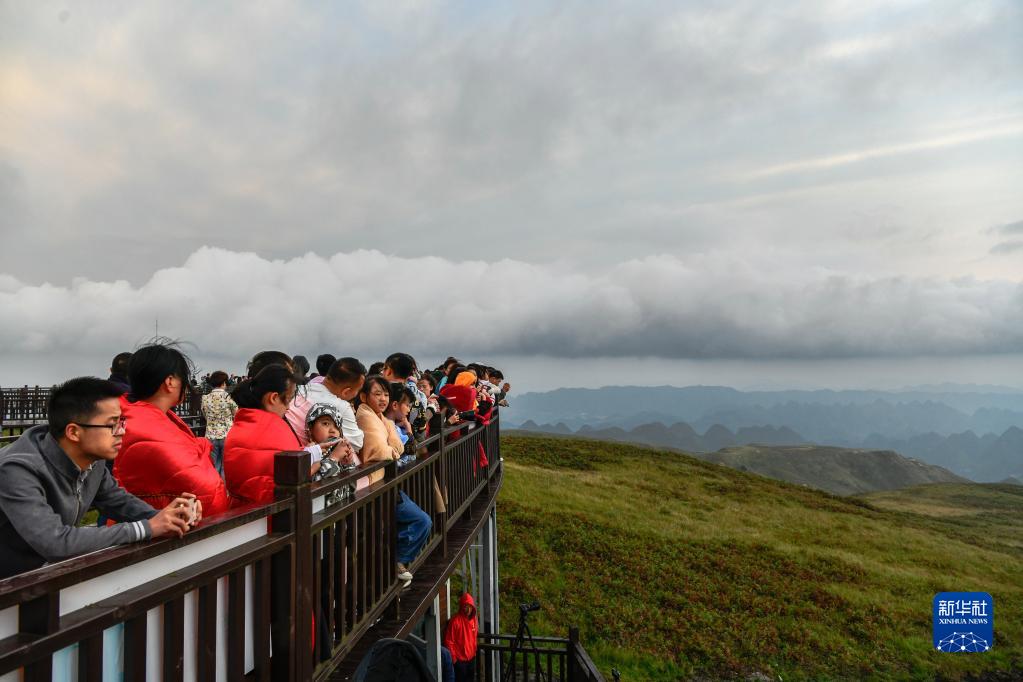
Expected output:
(159, 455)
(461, 394)
(259, 432)
(460, 638)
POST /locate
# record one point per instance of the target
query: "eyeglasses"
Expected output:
(116, 428)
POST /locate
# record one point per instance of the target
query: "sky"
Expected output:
(799, 194)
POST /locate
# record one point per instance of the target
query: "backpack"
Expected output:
(393, 660)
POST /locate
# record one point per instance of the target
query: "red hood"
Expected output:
(462, 398)
(467, 600)
(252, 442)
(160, 458)
(462, 633)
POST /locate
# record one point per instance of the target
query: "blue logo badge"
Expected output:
(964, 622)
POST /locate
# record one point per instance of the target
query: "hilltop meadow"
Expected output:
(678, 569)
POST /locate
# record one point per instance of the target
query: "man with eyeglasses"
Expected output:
(54, 473)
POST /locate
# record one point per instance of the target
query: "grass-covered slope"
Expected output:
(842, 471)
(675, 568)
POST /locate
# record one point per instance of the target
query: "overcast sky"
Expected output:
(775, 187)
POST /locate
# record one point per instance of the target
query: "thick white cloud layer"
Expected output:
(367, 303)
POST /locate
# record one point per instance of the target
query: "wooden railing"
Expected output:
(297, 578)
(554, 659)
(26, 406)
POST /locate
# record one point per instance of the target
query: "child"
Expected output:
(398, 410)
(428, 384)
(323, 426)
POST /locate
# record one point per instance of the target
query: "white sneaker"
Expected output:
(403, 574)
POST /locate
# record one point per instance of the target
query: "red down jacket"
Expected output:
(160, 458)
(252, 442)
(462, 632)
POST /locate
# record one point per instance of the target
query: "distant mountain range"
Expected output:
(988, 459)
(839, 417)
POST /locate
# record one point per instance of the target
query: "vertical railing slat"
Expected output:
(317, 593)
(174, 640)
(206, 641)
(261, 620)
(39, 616)
(135, 649)
(236, 625)
(90, 659)
(332, 574)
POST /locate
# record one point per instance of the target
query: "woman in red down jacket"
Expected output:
(259, 432)
(160, 456)
(461, 636)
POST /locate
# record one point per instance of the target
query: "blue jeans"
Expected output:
(217, 455)
(414, 527)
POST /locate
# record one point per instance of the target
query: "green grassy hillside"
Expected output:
(675, 568)
(842, 471)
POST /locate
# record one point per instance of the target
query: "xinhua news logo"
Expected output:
(964, 622)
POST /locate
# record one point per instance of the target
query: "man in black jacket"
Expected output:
(119, 371)
(53, 474)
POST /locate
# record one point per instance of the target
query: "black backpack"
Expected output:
(393, 660)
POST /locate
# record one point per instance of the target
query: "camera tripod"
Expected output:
(519, 644)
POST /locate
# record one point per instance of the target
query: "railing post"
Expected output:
(292, 573)
(490, 621)
(573, 644)
(41, 616)
(443, 474)
(392, 496)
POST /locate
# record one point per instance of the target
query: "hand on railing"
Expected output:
(177, 517)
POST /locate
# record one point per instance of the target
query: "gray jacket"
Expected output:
(43, 497)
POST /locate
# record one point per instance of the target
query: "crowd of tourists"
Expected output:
(118, 446)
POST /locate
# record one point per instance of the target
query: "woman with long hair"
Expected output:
(260, 431)
(159, 455)
(381, 442)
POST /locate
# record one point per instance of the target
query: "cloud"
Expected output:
(1011, 228)
(367, 303)
(880, 152)
(1007, 247)
(554, 128)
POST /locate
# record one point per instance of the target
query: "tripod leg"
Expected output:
(509, 669)
(536, 654)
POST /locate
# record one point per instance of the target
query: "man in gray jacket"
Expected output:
(55, 473)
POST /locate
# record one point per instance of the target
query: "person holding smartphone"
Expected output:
(54, 473)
